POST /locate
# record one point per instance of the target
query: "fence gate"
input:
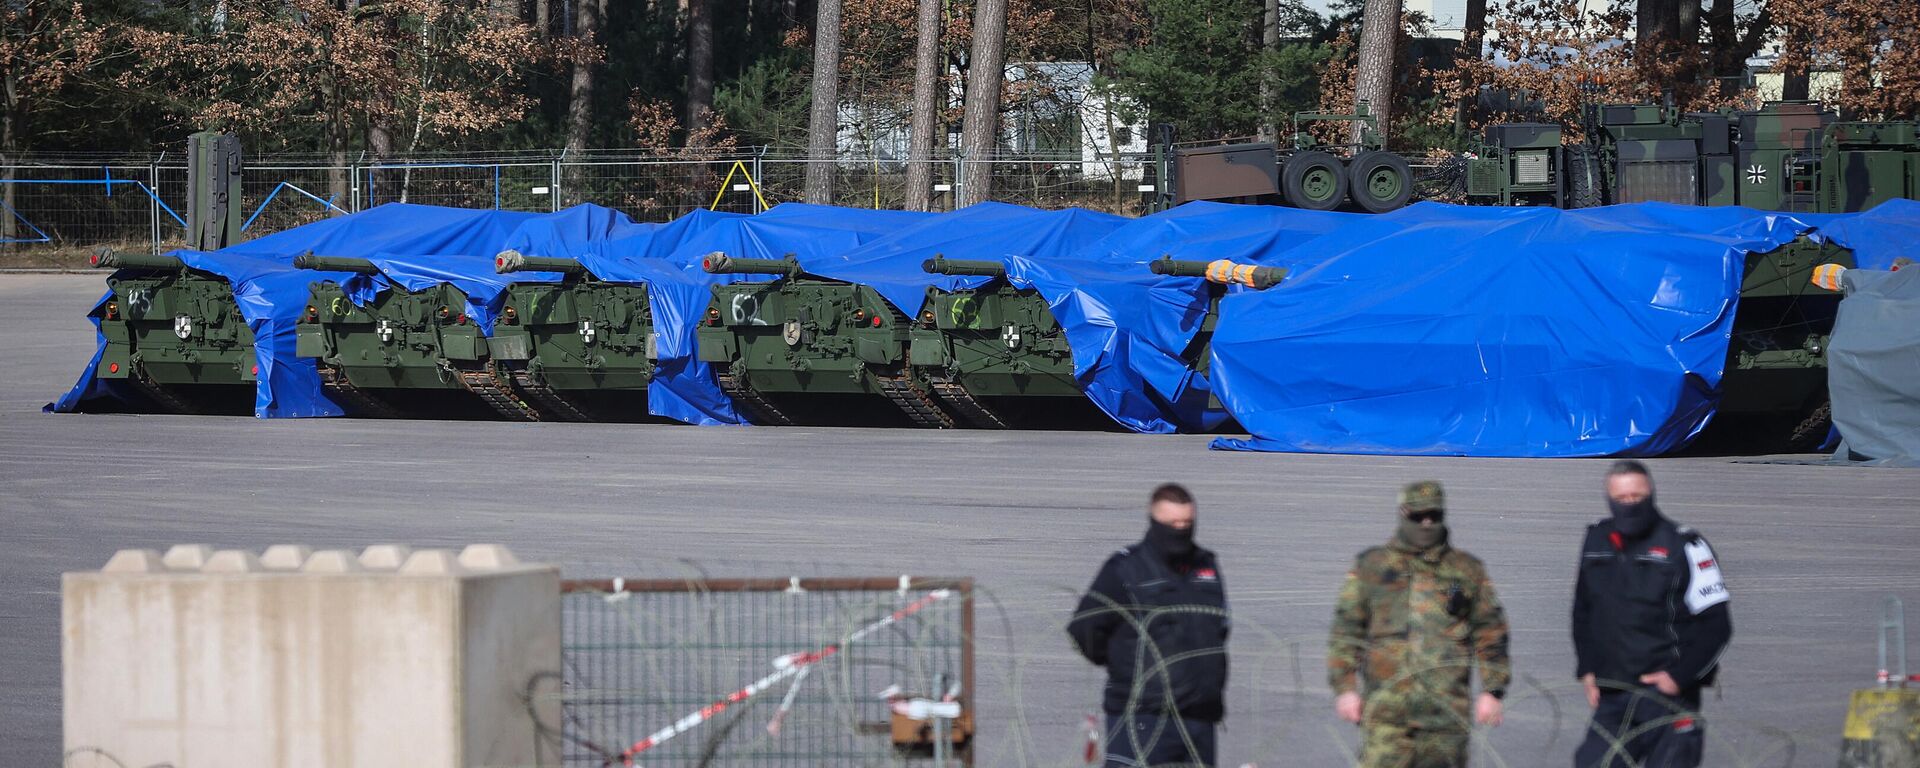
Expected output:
(787, 671)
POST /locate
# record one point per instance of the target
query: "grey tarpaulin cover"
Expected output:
(1873, 366)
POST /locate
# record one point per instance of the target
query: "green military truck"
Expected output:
(175, 335)
(405, 351)
(579, 350)
(799, 348)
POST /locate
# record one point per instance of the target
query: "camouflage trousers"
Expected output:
(1394, 747)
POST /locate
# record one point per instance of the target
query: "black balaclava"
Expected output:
(1420, 537)
(1634, 520)
(1175, 543)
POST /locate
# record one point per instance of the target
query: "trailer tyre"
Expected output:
(1379, 181)
(1314, 180)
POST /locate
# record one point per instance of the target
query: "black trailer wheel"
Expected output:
(1379, 181)
(1314, 180)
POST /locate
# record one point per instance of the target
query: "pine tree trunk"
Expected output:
(926, 79)
(543, 17)
(580, 97)
(980, 126)
(9, 225)
(1373, 82)
(1269, 41)
(1471, 43)
(699, 68)
(824, 121)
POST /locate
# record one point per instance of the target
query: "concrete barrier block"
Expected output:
(286, 557)
(384, 557)
(487, 557)
(432, 562)
(135, 561)
(332, 561)
(187, 557)
(233, 561)
(232, 664)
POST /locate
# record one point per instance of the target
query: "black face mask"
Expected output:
(1175, 543)
(1633, 520)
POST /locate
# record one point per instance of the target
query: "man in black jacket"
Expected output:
(1649, 624)
(1156, 618)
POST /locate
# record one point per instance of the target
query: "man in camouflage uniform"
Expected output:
(1414, 618)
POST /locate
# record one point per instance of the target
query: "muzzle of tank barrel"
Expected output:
(1221, 271)
(514, 261)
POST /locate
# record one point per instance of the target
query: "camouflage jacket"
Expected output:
(1412, 625)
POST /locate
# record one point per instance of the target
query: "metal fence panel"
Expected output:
(761, 671)
(74, 206)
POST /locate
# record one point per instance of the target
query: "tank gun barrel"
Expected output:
(718, 263)
(109, 259)
(335, 264)
(515, 261)
(941, 265)
(1221, 271)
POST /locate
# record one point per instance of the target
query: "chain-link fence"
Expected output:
(815, 671)
(53, 207)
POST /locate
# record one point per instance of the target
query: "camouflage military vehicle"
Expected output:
(1519, 164)
(404, 351)
(578, 350)
(1776, 373)
(981, 350)
(1865, 164)
(175, 335)
(804, 349)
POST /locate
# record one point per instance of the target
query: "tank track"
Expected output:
(960, 401)
(552, 405)
(357, 401)
(1812, 431)
(914, 401)
(758, 409)
(498, 394)
(169, 400)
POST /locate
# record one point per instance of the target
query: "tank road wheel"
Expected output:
(1314, 180)
(1379, 181)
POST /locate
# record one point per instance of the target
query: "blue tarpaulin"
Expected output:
(892, 263)
(1446, 330)
(1129, 327)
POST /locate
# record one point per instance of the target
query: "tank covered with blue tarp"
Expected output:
(1446, 330)
(990, 231)
(667, 259)
(271, 293)
(1129, 328)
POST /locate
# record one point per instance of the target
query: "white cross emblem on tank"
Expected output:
(1756, 174)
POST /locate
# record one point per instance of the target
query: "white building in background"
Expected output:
(1063, 115)
(1447, 19)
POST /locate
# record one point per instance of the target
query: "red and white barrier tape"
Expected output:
(785, 667)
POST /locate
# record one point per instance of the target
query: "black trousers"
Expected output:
(1651, 729)
(1136, 741)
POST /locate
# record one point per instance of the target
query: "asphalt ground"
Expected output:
(1809, 551)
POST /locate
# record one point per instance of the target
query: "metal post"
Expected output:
(153, 205)
(959, 177)
(758, 152)
(942, 737)
(553, 183)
